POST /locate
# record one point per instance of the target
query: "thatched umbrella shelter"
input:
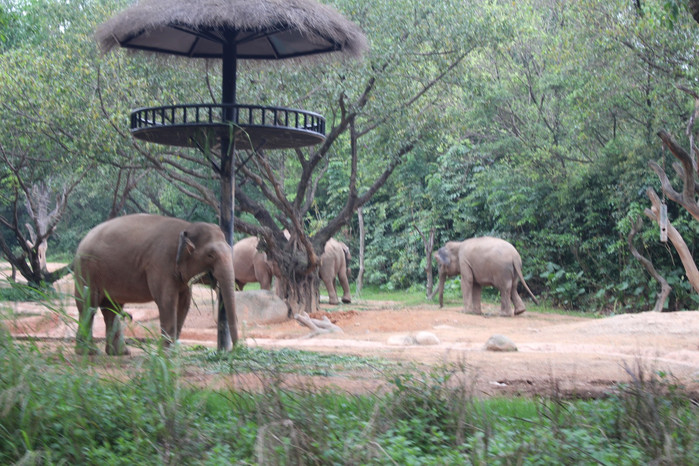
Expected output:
(231, 30)
(267, 29)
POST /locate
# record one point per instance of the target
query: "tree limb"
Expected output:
(665, 288)
(677, 241)
(686, 199)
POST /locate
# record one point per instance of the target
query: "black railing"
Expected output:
(219, 114)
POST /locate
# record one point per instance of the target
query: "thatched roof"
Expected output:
(267, 29)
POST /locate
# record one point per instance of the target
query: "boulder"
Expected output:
(426, 338)
(500, 343)
(260, 307)
(420, 338)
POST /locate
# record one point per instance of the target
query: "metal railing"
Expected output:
(220, 114)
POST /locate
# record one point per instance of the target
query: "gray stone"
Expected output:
(260, 307)
(420, 338)
(426, 338)
(401, 340)
(500, 343)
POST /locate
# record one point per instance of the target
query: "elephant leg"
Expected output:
(168, 310)
(183, 302)
(83, 337)
(476, 298)
(265, 282)
(505, 301)
(346, 296)
(115, 345)
(467, 284)
(85, 301)
(517, 301)
(329, 281)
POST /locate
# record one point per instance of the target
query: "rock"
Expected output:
(260, 307)
(426, 338)
(500, 343)
(401, 340)
(420, 338)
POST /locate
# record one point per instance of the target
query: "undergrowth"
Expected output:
(62, 409)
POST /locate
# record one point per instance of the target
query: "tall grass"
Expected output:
(58, 408)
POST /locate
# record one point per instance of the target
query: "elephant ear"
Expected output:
(442, 257)
(185, 242)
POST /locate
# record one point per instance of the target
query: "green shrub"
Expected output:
(57, 408)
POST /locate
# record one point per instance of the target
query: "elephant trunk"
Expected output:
(440, 288)
(226, 282)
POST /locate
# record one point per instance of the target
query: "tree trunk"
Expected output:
(428, 245)
(665, 288)
(31, 263)
(362, 233)
(298, 285)
(440, 288)
(38, 247)
(300, 292)
(676, 239)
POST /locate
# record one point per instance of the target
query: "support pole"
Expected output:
(227, 330)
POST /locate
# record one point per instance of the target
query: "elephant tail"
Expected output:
(348, 256)
(521, 277)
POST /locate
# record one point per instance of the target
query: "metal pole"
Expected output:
(229, 68)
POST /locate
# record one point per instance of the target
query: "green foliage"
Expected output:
(21, 292)
(653, 413)
(540, 133)
(59, 408)
(285, 361)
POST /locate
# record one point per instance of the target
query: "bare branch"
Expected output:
(687, 198)
(677, 241)
(665, 288)
(690, 124)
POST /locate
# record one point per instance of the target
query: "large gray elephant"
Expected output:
(484, 261)
(333, 263)
(251, 265)
(141, 258)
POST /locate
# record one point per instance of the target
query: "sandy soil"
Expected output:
(575, 355)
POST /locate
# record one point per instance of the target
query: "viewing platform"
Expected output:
(252, 126)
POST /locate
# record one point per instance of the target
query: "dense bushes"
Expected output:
(540, 133)
(572, 235)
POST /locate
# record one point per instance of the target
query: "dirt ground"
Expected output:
(576, 356)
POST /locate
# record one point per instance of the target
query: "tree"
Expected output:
(51, 138)
(385, 106)
(688, 198)
(32, 244)
(379, 107)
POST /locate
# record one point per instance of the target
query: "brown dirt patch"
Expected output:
(575, 355)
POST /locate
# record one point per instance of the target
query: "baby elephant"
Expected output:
(483, 261)
(333, 263)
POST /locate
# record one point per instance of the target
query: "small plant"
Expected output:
(18, 292)
(654, 413)
(432, 411)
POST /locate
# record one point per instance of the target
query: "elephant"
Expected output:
(483, 261)
(333, 263)
(251, 265)
(141, 258)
